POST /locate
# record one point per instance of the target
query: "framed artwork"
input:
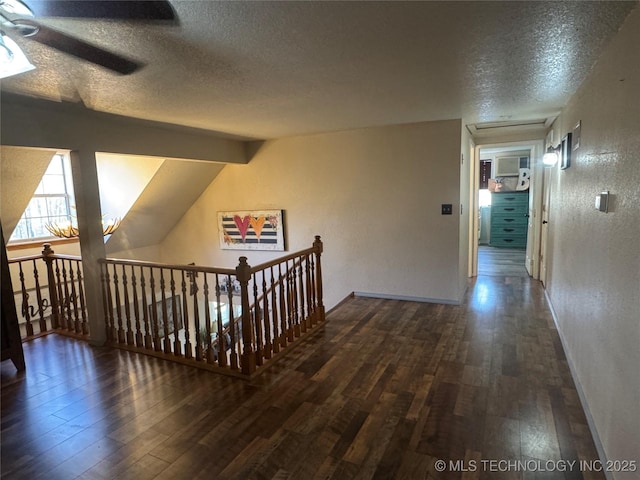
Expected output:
(171, 325)
(251, 230)
(565, 152)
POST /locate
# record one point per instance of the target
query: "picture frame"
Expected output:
(251, 230)
(158, 322)
(565, 152)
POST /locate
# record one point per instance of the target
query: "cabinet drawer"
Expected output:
(512, 241)
(513, 210)
(500, 199)
(506, 220)
(509, 230)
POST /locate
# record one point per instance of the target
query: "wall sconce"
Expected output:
(550, 158)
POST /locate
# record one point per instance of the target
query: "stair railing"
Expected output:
(229, 320)
(50, 296)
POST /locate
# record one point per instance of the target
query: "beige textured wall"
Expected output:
(594, 277)
(373, 194)
(20, 173)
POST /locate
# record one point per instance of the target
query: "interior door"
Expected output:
(530, 262)
(545, 225)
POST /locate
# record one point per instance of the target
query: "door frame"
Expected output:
(535, 203)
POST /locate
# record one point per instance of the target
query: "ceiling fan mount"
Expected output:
(19, 17)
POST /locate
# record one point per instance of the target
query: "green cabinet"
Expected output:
(509, 219)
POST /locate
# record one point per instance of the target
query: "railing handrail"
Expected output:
(276, 261)
(189, 268)
(25, 258)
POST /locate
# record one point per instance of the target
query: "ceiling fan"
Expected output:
(19, 17)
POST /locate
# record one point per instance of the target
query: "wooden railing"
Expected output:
(229, 320)
(49, 293)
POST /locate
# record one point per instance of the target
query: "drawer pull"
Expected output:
(508, 229)
(508, 240)
(509, 220)
(509, 209)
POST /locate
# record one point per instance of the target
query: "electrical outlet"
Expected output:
(447, 209)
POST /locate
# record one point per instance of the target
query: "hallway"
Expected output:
(384, 390)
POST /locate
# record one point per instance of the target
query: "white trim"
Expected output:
(407, 298)
(585, 406)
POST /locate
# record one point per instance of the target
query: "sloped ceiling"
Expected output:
(22, 169)
(173, 189)
(272, 69)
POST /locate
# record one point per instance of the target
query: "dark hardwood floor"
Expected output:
(384, 390)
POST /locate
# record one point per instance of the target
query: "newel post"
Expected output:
(47, 256)
(248, 359)
(317, 244)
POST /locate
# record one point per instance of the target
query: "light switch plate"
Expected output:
(602, 202)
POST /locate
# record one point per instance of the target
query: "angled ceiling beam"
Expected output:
(31, 122)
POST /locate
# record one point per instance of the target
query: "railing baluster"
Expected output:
(121, 335)
(41, 304)
(67, 299)
(165, 315)
(105, 307)
(154, 313)
(274, 317)
(185, 316)
(257, 316)
(301, 306)
(209, 353)
(148, 338)
(320, 305)
(84, 326)
(265, 317)
(47, 256)
(222, 336)
(232, 326)
(112, 334)
(313, 290)
(196, 316)
(127, 308)
(283, 309)
(290, 306)
(139, 342)
(307, 273)
(61, 298)
(73, 299)
(25, 301)
(177, 346)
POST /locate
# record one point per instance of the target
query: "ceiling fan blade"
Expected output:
(115, 9)
(81, 49)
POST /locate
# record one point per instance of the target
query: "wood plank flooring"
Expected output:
(501, 261)
(382, 391)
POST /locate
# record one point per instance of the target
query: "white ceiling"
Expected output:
(273, 69)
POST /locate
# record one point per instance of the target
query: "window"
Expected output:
(52, 202)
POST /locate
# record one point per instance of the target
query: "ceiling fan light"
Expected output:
(15, 8)
(12, 60)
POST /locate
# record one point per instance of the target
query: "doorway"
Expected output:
(506, 239)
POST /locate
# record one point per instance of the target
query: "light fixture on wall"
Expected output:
(551, 157)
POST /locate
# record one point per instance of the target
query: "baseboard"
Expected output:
(407, 298)
(585, 406)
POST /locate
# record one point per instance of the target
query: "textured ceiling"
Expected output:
(273, 69)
